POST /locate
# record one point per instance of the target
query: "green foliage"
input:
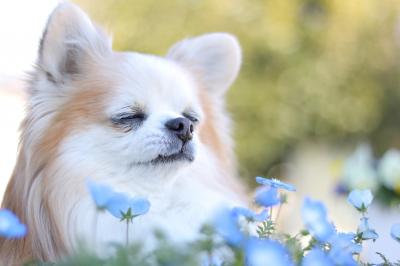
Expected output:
(214, 246)
(294, 246)
(386, 262)
(166, 254)
(312, 68)
(388, 197)
(266, 229)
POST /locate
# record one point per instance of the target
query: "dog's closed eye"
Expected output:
(128, 121)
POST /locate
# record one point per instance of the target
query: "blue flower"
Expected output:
(226, 225)
(100, 193)
(360, 199)
(346, 242)
(365, 231)
(118, 204)
(261, 252)
(251, 215)
(274, 183)
(10, 225)
(395, 232)
(342, 249)
(317, 257)
(267, 196)
(315, 219)
(124, 207)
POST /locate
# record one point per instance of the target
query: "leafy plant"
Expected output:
(230, 240)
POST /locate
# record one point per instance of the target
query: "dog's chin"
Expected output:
(181, 156)
(176, 155)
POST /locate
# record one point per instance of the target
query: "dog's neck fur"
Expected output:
(47, 189)
(55, 216)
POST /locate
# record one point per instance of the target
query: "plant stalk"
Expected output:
(127, 233)
(95, 223)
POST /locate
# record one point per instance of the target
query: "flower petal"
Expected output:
(360, 199)
(315, 219)
(100, 193)
(365, 230)
(395, 232)
(118, 205)
(227, 226)
(10, 225)
(267, 196)
(139, 206)
(275, 183)
(251, 215)
(261, 252)
(317, 257)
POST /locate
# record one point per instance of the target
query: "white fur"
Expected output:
(183, 195)
(214, 58)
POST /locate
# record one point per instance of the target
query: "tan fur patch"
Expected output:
(211, 135)
(209, 130)
(83, 106)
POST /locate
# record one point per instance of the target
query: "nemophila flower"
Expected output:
(360, 199)
(251, 215)
(389, 169)
(267, 196)
(358, 169)
(100, 193)
(10, 225)
(261, 252)
(317, 257)
(316, 221)
(346, 242)
(395, 232)
(342, 249)
(274, 183)
(226, 225)
(126, 208)
(365, 231)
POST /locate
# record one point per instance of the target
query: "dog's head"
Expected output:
(127, 111)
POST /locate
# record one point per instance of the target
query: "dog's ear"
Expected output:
(213, 58)
(69, 39)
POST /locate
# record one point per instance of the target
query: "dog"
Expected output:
(145, 125)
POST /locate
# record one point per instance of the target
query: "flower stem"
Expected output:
(127, 233)
(278, 213)
(270, 213)
(209, 256)
(96, 216)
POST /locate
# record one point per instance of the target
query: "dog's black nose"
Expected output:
(181, 127)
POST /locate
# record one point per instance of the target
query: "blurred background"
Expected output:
(319, 78)
(313, 70)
